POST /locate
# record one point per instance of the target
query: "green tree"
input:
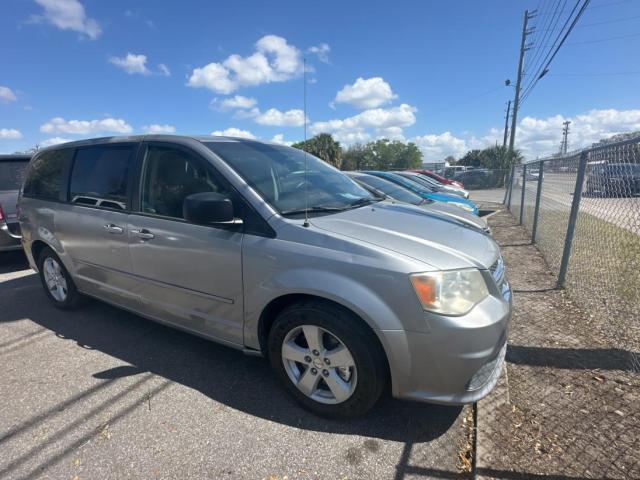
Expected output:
(451, 160)
(473, 158)
(354, 157)
(323, 146)
(385, 154)
(499, 158)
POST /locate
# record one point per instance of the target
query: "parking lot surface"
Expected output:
(101, 393)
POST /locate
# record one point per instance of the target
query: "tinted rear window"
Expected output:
(99, 176)
(12, 174)
(44, 177)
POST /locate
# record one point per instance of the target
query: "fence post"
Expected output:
(536, 211)
(513, 171)
(507, 186)
(524, 187)
(573, 216)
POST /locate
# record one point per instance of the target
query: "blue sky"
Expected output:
(429, 72)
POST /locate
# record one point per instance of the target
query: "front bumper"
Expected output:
(458, 361)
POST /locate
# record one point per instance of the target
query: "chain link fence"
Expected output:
(583, 211)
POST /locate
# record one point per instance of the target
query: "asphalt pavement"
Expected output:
(101, 393)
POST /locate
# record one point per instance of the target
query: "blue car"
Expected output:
(425, 192)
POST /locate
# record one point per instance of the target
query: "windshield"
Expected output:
(405, 182)
(391, 189)
(278, 174)
(12, 174)
(427, 183)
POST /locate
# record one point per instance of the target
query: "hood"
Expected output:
(456, 213)
(448, 198)
(440, 242)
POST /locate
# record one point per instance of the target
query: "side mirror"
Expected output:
(207, 207)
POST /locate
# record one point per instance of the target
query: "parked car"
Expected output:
(223, 237)
(614, 180)
(439, 178)
(12, 169)
(385, 189)
(426, 192)
(450, 172)
(477, 178)
(437, 186)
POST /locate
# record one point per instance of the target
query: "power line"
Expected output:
(600, 40)
(605, 22)
(537, 57)
(545, 69)
(537, 70)
(612, 4)
(594, 74)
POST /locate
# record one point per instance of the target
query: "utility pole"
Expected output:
(565, 137)
(516, 101)
(506, 125)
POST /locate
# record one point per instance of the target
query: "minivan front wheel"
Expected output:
(326, 359)
(57, 282)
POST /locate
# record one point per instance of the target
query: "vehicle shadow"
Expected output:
(13, 262)
(225, 375)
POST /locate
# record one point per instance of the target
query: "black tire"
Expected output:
(74, 299)
(371, 366)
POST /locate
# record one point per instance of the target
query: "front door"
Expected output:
(191, 275)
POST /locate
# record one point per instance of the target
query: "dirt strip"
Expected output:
(568, 403)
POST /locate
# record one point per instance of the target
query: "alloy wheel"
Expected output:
(319, 364)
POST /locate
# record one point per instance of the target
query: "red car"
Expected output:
(439, 178)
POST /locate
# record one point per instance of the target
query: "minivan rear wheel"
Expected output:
(57, 282)
(327, 359)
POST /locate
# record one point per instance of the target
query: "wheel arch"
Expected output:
(278, 304)
(36, 249)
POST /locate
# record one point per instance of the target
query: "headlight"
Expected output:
(464, 206)
(452, 292)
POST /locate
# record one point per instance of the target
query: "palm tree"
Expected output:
(323, 146)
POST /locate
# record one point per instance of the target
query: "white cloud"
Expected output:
(54, 141)
(276, 118)
(132, 63)
(437, 147)
(7, 95)
(366, 93)
(273, 61)
(236, 102)
(10, 133)
(535, 137)
(158, 129)
(164, 70)
(542, 136)
(279, 138)
(358, 128)
(321, 51)
(68, 15)
(234, 132)
(82, 127)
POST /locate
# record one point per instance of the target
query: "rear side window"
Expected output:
(44, 178)
(100, 175)
(12, 174)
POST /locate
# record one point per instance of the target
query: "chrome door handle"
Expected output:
(111, 228)
(143, 234)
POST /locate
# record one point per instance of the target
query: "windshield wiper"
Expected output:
(362, 201)
(319, 209)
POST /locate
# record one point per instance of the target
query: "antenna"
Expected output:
(304, 102)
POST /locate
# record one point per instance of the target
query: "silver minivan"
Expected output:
(267, 249)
